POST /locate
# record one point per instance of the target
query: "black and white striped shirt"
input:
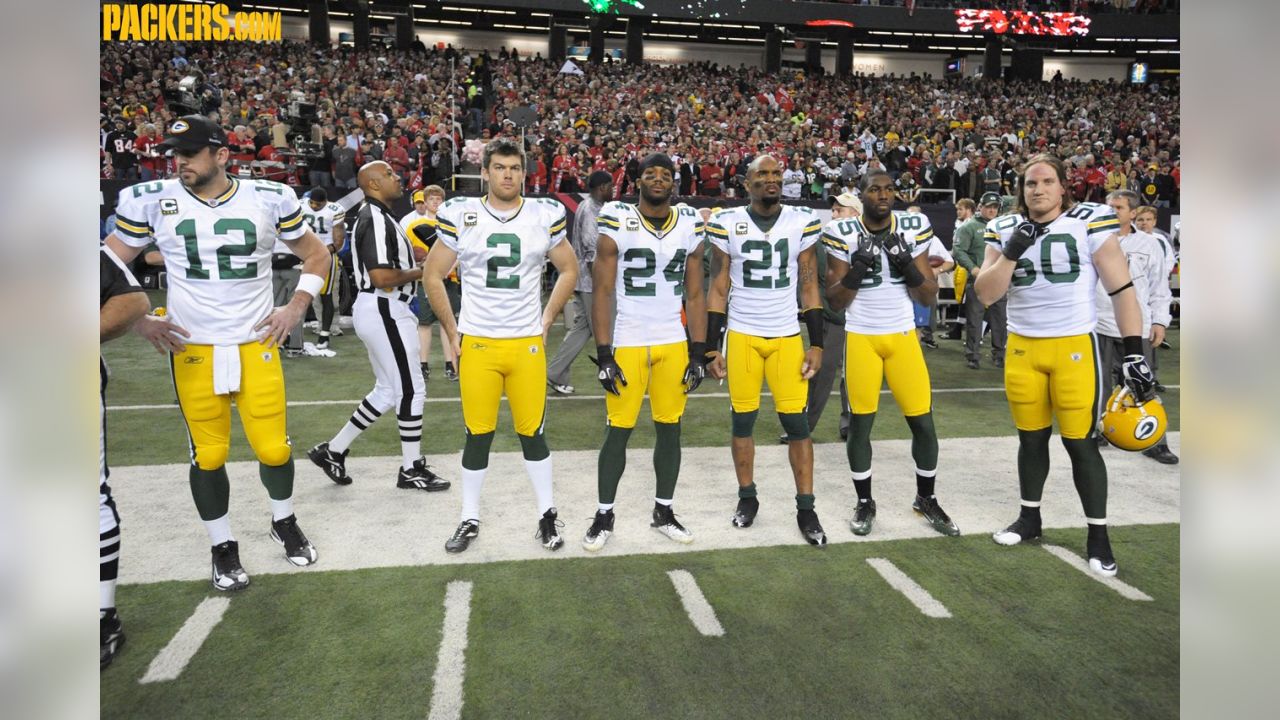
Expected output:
(380, 243)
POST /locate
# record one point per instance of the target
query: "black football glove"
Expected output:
(899, 256)
(696, 370)
(610, 375)
(1138, 377)
(861, 261)
(1024, 236)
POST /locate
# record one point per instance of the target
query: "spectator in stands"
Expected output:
(119, 143)
(344, 166)
(151, 161)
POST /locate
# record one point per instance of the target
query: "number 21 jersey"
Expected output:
(500, 262)
(217, 253)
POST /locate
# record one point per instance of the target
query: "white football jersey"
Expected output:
(500, 262)
(882, 305)
(1051, 293)
(1149, 270)
(217, 253)
(649, 287)
(763, 270)
(323, 221)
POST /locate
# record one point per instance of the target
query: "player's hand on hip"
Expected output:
(716, 365)
(162, 333)
(280, 323)
(812, 361)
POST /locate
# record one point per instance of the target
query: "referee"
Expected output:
(387, 279)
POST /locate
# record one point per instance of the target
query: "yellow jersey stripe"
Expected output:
(289, 224)
(558, 227)
(133, 226)
(717, 231)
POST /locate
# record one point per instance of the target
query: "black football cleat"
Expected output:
(1098, 549)
(864, 517)
(297, 548)
(599, 532)
(746, 512)
(937, 517)
(810, 528)
(111, 636)
(420, 477)
(228, 575)
(1021, 529)
(549, 531)
(333, 464)
(462, 537)
(665, 522)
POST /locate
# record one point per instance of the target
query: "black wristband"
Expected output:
(853, 278)
(813, 321)
(912, 275)
(716, 322)
(1133, 345)
(698, 351)
(604, 353)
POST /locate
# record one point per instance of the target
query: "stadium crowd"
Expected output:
(1080, 6)
(961, 135)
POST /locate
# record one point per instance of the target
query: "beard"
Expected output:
(203, 180)
(654, 198)
(770, 200)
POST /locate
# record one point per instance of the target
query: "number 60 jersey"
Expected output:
(217, 253)
(1051, 293)
(500, 262)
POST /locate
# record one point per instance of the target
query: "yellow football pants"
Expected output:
(869, 360)
(753, 360)
(490, 367)
(659, 369)
(1048, 377)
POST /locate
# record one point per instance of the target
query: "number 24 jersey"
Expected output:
(217, 253)
(500, 262)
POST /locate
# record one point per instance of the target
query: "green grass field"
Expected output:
(806, 633)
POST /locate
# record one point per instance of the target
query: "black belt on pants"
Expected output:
(402, 297)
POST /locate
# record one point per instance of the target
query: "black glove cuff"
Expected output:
(813, 321)
(912, 275)
(1133, 345)
(1007, 252)
(698, 352)
(604, 353)
(716, 322)
(853, 278)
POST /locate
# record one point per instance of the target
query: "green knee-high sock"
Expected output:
(1033, 462)
(475, 451)
(859, 444)
(924, 441)
(277, 479)
(666, 458)
(1090, 474)
(211, 490)
(613, 461)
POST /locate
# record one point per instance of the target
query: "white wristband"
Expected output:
(310, 283)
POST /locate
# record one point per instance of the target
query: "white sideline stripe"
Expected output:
(173, 658)
(695, 603)
(557, 398)
(1128, 591)
(451, 665)
(918, 596)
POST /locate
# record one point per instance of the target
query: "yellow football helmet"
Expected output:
(1131, 425)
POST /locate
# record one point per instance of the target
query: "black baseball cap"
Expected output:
(193, 132)
(990, 198)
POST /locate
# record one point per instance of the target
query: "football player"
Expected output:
(327, 220)
(877, 265)
(121, 304)
(648, 259)
(760, 251)
(1048, 256)
(222, 335)
(501, 244)
(420, 225)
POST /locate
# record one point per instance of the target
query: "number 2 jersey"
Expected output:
(1051, 293)
(763, 269)
(217, 253)
(882, 305)
(649, 288)
(500, 262)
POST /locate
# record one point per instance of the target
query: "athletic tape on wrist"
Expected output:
(310, 283)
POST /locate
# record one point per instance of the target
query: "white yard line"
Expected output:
(556, 397)
(701, 614)
(1127, 591)
(451, 665)
(901, 582)
(173, 658)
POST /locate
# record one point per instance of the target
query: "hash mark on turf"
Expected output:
(1128, 591)
(173, 658)
(901, 582)
(451, 665)
(695, 603)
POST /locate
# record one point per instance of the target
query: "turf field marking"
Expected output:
(451, 665)
(1128, 591)
(900, 581)
(173, 658)
(557, 398)
(695, 603)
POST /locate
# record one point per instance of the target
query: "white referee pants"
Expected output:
(389, 331)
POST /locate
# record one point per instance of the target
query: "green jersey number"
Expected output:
(765, 263)
(226, 251)
(495, 278)
(1046, 262)
(673, 273)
